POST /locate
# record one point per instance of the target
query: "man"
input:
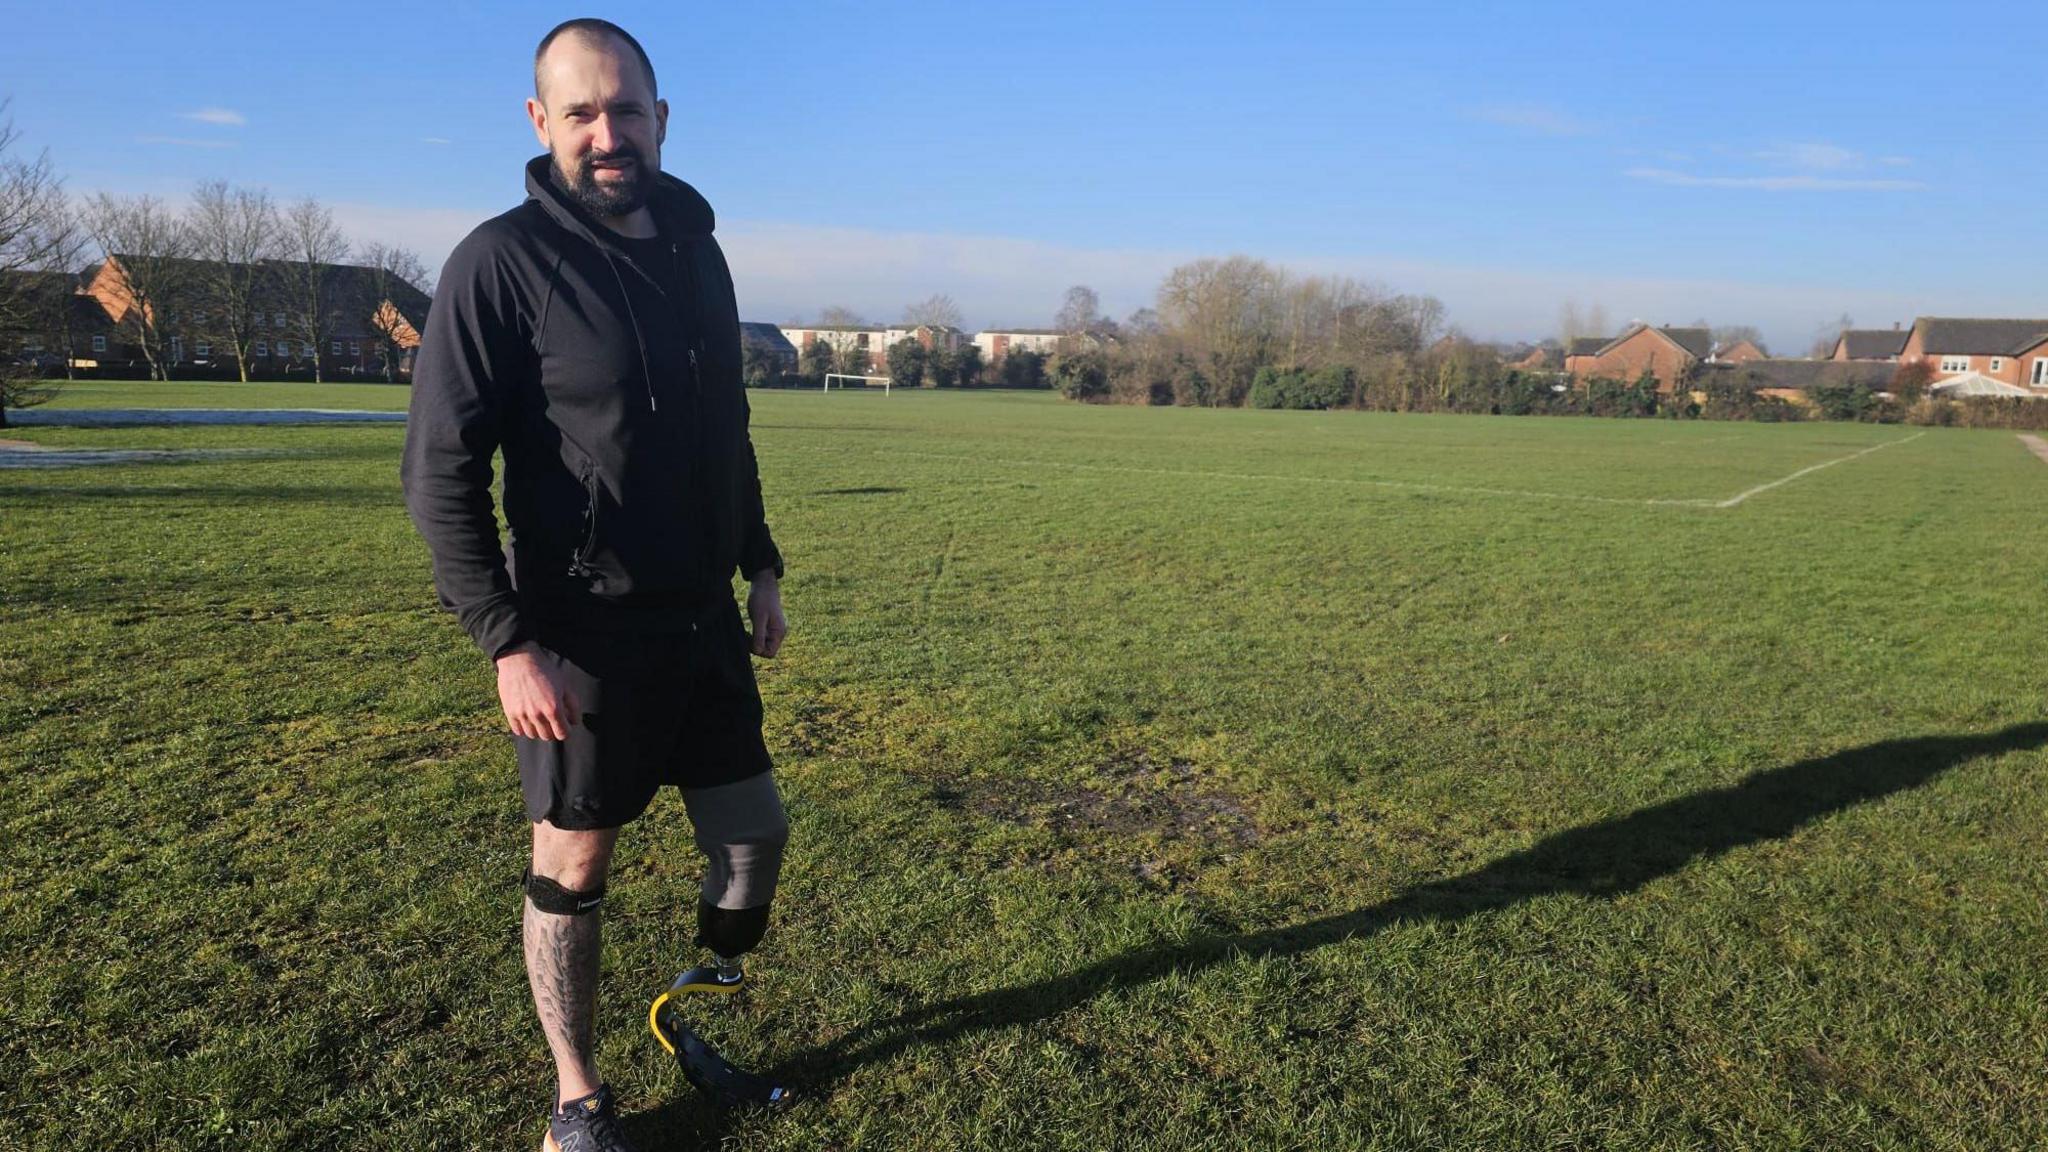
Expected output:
(591, 335)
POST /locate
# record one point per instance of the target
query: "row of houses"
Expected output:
(1964, 356)
(92, 320)
(787, 341)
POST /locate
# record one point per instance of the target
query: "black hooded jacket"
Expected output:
(630, 481)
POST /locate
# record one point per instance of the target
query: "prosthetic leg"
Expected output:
(741, 832)
(712, 1073)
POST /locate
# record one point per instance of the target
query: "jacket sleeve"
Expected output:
(470, 357)
(757, 548)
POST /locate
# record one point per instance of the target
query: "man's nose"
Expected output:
(602, 137)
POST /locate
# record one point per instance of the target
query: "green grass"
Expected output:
(229, 394)
(1160, 779)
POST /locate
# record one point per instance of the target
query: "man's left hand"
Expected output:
(764, 609)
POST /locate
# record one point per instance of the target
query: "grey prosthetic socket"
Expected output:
(741, 830)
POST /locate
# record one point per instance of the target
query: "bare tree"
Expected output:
(838, 316)
(38, 234)
(1826, 336)
(152, 247)
(31, 205)
(235, 233)
(392, 269)
(1225, 311)
(939, 311)
(1080, 312)
(1729, 335)
(312, 244)
(54, 315)
(1596, 321)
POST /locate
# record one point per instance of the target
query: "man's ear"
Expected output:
(660, 123)
(539, 115)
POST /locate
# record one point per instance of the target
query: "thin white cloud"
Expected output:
(224, 116)
(185, 142)
(1771, 183)
(1812, 157)
(435, 140)
(1540, 119)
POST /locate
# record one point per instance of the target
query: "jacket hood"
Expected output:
(679, 209)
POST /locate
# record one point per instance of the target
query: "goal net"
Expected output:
(866, 381)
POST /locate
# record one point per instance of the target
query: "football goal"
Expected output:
(866, 381)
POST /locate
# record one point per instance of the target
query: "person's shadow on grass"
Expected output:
(1606, 859)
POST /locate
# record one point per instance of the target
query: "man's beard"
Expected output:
(618, 198)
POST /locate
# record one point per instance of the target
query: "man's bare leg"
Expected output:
(561, 953)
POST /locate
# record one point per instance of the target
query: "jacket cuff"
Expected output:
(760, 553)
(498, 627)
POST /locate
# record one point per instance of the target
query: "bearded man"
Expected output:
(590, 334)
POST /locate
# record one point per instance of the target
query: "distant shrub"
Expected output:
(1081, 375)
(1021, 369)
(2015, 413)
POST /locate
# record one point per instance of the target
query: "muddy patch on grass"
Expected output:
(1160, 818)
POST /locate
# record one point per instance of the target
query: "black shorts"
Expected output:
(672, 706)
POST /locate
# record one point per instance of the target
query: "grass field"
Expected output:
(1160, 779)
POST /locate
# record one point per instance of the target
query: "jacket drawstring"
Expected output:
(646, 368)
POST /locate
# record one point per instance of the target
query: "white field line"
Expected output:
(1352, 481)
(1402, 485)
(1809, 470)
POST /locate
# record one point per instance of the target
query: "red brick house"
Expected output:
(1740, 352)
(2009, 351)
(372, 318)
(1666, 353)
(57, 324)
(1877, 344)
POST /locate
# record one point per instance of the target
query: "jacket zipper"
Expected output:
(579, 562)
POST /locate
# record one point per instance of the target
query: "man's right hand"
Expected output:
(537, 704)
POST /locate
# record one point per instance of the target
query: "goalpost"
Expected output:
(865, 380)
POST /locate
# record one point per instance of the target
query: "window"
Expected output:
(281, 320)
(177, 348)
(334, 349)
(259, 349)
(284, 349)
(1997, 364)
(32, 344)
(99, 343)
(1955, 363)
(202, 349)
(257, 320)
(355, 348)
(2041, 372)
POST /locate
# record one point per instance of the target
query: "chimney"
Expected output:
(1895, 325)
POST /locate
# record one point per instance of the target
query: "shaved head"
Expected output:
(596, 33)
(594, 109)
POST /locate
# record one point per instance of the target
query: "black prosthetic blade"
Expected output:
(718, 1077)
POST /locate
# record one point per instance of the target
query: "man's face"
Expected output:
(597, 116)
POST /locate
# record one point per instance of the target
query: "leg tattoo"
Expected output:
(561, 965)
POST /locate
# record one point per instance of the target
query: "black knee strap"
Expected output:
(556, 900)
(730, 932)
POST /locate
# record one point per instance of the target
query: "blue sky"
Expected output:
(1771, 164)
